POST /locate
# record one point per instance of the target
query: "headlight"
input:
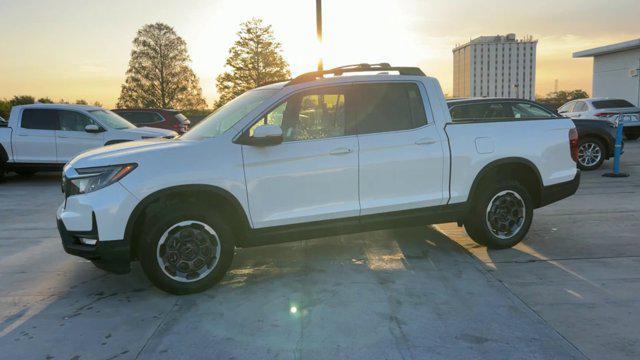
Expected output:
(95, 178)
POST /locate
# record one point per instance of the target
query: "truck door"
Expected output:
(34, 139)
(400, 150)
(72, 139)
(313, 174)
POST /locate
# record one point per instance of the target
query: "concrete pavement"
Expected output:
(569, 291)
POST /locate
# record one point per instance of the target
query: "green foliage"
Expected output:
(5, 108)
(159, 75)
(556, 99)
(45, 100)
(22, 100)
(254, 60)
(81, 102)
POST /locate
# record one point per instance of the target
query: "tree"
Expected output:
(45, 100)
(82, 102)
(22, 100)
(97, 103)
(558, 98)
(159, 75)
(5, 107)
(254, 60)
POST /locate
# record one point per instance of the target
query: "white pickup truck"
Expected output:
(46, 136)
(314, 156)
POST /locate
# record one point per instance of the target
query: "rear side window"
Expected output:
(566, 107)
(181, 118)
(481, 111)
(388, 107)
(40, 119)
(613, 103)
(523, 110)
(140, 118)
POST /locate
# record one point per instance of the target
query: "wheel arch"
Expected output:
(209, 196)
(515, 168)
(4, 156)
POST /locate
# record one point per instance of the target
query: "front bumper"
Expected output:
(113, 256)
(101, 216)
(557, 192)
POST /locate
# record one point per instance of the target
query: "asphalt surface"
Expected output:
(570, 290)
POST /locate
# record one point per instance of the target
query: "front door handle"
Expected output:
(426, 141)
(340, 151)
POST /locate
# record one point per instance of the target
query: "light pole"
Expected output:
(319, 31)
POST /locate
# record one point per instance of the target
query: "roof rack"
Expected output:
(338, 71)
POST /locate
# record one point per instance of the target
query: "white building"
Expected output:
(615, 70)
(495, 66)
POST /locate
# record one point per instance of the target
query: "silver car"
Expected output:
(605, 109)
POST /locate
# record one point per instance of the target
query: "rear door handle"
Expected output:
(340, 151)
(426, 141)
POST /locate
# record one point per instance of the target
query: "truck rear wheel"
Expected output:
(185, 251)
(501, 215)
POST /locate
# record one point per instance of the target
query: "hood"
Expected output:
(152, 132)
(128, 152)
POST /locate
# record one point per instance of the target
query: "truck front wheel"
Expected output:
(184, 250)
(500, 215)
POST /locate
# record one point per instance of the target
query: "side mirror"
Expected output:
(266, 135)
(91, 128)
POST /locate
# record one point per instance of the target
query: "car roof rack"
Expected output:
(338, 71)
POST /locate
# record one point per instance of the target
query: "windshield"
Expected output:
(228, 115)
(111, 120)
(613, 103)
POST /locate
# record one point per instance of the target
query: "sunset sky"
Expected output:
(79, 49)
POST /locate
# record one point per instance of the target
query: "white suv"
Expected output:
(311, 157)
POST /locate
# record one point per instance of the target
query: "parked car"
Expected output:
(46, 136)
(306, 158)
(596, 138)
(604, 109)
(157, 118)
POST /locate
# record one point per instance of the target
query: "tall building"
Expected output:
(495, 66)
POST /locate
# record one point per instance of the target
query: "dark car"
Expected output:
(596, 137)
(158, 118)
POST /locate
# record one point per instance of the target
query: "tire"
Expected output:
(482, 221)
(632, 136)
(26, 172)
(165, 228)
(591, 154)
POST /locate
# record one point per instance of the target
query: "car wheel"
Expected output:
(185, 251)
(590, 154)
(501, 215)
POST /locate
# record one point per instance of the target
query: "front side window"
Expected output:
(73, 121)
(388, 107)
(312, 114)
(580, 106)
(566, 107)
(523, 110)
(40, 119)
